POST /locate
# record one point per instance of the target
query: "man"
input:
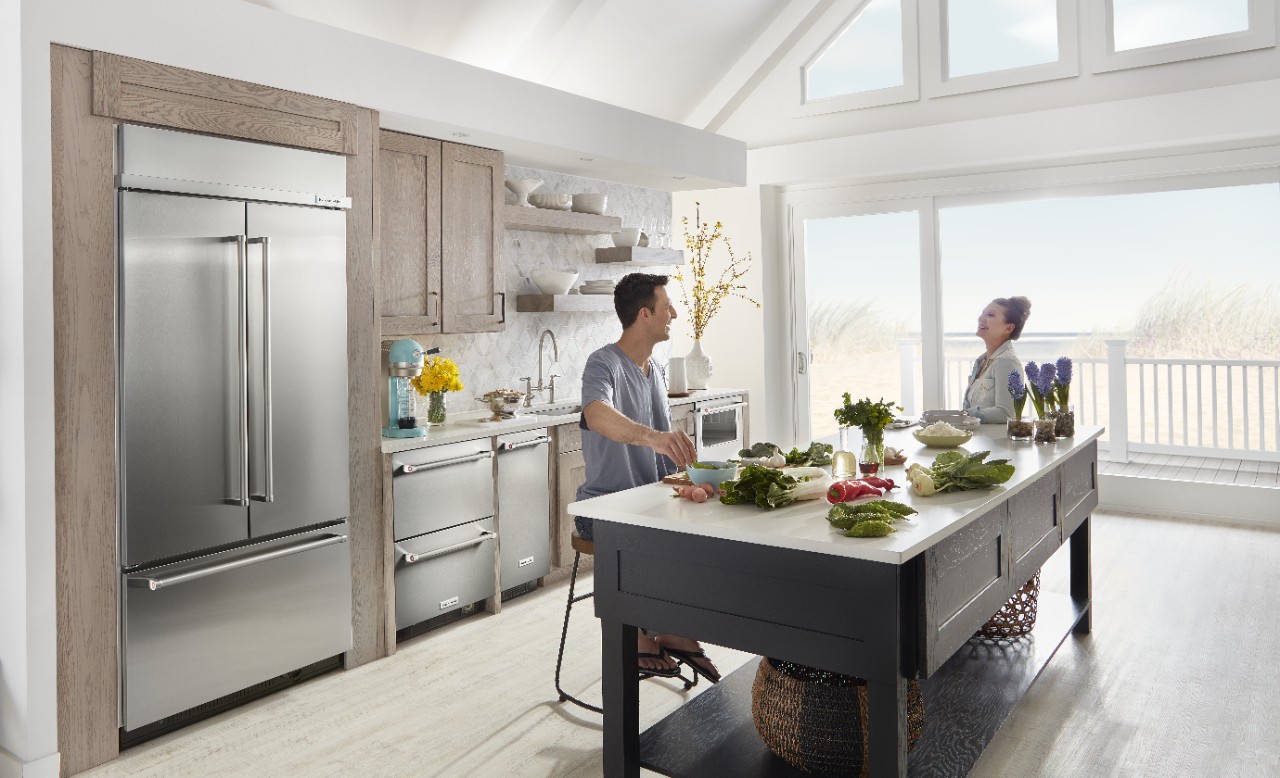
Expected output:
(627, 440)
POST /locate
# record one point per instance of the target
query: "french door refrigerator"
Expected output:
(231, 336)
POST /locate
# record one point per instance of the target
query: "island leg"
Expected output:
(1082, 576)
(621, 700)
(887, 728)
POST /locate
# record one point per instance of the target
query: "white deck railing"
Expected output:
(1192, 407)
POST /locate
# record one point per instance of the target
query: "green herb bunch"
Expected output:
(870, 417)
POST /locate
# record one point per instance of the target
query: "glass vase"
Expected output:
(436, 409)
(844, 463)
(1065, 422)
(871, 459)
(1044, 430)
(1020, 429)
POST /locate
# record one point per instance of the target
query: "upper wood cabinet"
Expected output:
(440, 218)
(135, 90)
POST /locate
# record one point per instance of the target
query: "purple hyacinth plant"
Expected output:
(1033, 379)
(1064, 381)
(1018, 390)
(1044, 383)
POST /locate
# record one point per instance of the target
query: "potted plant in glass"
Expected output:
(870, 417)
(439, 375)
(1040, 384)
(1065, 416)
(1018, 428)
(703, 297)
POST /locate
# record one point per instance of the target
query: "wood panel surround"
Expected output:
(138, 91)
(90, 90)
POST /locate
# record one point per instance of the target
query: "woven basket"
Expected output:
(1017, 617)
(816, 721)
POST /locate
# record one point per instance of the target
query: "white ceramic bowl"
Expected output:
(627, 236)
(522, 187)
(589, 203)
(554, 200)
(551, 281)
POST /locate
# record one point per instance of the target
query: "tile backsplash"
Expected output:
(497, 360)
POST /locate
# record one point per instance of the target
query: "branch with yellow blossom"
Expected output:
(707, 297)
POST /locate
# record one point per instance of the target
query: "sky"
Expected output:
(1085, 262)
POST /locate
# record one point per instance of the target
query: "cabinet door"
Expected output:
(571, 472)
(471, 207)
(409, 220)
(682, 418)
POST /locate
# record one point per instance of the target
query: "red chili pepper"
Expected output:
(839, 492)
(882, 483)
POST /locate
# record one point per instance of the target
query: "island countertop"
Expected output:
(803, 525)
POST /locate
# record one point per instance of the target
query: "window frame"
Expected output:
(1260, 35)
(908, 91)
(937, 82)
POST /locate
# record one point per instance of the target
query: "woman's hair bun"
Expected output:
(1016, 311)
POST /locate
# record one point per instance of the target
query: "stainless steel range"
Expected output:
(233, 417)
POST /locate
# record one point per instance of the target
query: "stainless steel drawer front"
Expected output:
(442, 486)
(442, 571)
(200, 630)
(524, 500)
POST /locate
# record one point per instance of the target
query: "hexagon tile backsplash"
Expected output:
(497, 360)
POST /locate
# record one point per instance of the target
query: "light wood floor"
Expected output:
(1178, 679)
(1238, 472)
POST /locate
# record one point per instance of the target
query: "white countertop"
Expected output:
(803, 525)
(469, 425)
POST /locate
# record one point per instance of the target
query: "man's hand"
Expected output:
(675, 444)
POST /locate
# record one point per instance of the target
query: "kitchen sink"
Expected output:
(555, 410)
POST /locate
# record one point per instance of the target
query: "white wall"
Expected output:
(414, 91)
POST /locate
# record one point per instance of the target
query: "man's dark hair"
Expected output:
(633, 292)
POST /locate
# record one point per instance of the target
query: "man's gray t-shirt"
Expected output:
(611, 377)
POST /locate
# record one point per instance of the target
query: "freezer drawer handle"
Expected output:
(154, 582)
(409, 557)
(721, 408)
(526, 444)
(404, 468)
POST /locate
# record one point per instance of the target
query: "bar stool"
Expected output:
(581, 547)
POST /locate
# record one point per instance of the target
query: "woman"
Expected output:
(999, 325)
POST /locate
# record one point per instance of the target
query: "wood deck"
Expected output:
(1237, 472)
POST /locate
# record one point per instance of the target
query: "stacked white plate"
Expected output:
(597, 287)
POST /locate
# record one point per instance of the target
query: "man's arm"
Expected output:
(606, 420)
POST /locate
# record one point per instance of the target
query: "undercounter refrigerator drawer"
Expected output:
(442, 486)
(204, 628)
(442, 571)
(524, 499)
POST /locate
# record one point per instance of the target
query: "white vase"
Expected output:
(697, 367)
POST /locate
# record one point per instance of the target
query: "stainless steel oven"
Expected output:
(720, 428)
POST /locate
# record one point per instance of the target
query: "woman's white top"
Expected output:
(988, 395)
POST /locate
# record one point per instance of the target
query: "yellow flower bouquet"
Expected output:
(703, 297)
(439, 375)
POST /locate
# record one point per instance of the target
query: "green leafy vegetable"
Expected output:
(759, 451)
(953, 471)
(818, 454)
(700, 466)
(762, 486)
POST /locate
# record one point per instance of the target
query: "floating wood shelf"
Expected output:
(564, 303)
(639, 255)
(518, 217)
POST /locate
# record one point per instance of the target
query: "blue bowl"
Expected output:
(723, 472)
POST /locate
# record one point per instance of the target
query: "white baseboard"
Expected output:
(1256, 505)
(13, 767)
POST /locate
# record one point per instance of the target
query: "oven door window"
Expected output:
(721, 427)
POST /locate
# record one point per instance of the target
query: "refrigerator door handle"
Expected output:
(268, 491)
(538, 441)
(154, 582)
(242, 354)
(410, 558)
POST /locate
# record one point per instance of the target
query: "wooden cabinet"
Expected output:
(440, 219)
(571, 472)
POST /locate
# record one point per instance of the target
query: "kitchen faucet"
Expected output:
(528, 382)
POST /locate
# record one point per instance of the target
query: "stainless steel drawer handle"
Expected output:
(545, 439)
(721, 408)
(409, 557)
(404, 468)
(154, 582)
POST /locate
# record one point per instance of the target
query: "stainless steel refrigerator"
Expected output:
(231, 336)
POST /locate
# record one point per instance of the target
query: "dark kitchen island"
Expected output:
(784, 584)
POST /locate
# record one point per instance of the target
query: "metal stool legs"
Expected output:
(564, 634)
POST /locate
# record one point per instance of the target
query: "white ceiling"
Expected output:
(660, 57)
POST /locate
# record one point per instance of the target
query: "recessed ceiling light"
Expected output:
(461, 134)
(587, 159)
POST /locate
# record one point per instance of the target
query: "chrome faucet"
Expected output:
(555, 357)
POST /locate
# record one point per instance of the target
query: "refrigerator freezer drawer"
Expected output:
(524, 507)
(442, 486)
(199, 630)
(443, 571)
